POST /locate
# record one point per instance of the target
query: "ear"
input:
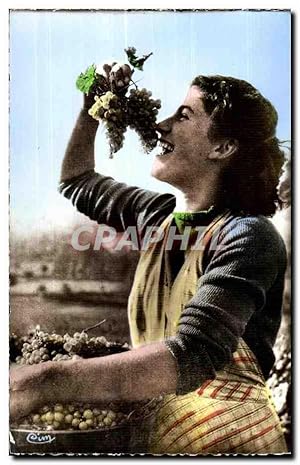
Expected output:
(224, 150)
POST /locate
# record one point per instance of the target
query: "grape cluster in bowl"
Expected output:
(40, 346)
(119, 107)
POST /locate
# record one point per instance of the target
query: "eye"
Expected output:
(182, 116)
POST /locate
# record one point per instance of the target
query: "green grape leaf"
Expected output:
(135, 61)
(85, 81)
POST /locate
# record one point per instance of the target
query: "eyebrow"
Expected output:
(183, 107)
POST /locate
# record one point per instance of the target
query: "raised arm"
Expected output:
(79, 156)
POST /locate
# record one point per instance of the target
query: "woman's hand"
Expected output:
(30, 388)
(85, 380)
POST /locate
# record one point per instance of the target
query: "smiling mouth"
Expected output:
(167, 148)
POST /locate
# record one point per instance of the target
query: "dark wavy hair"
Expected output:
(239, 111)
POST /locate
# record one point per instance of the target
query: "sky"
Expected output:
(49, 49)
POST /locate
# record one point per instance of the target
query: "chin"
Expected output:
(159, 173)
(162, 176)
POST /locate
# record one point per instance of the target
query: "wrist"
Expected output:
(86, 118)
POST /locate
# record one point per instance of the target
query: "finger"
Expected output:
(119, 75)
(107, 69)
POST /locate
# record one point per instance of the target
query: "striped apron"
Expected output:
(232, 413)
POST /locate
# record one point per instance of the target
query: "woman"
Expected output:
(203, 320)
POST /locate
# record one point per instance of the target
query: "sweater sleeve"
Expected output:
(116, 204)
(233, 286)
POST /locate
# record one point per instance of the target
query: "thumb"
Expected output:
(88, 100)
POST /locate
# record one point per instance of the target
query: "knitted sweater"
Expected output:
(239, 293)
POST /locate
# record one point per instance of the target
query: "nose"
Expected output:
(164, 127)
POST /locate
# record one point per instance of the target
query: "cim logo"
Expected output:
(39, 438)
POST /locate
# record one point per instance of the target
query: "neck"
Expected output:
(199, 195)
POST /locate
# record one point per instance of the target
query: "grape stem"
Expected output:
(94, 326)
(134, 82)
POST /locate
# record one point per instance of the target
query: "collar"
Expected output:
(200, 218)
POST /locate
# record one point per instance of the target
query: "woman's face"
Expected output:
(185, 143)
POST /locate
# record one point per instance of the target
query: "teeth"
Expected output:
(166, 147)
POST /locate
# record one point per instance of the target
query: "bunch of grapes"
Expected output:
(42, 347)
(15, 345)
(142, 111)
(112, 109)
(80, 344)
(109, 84)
